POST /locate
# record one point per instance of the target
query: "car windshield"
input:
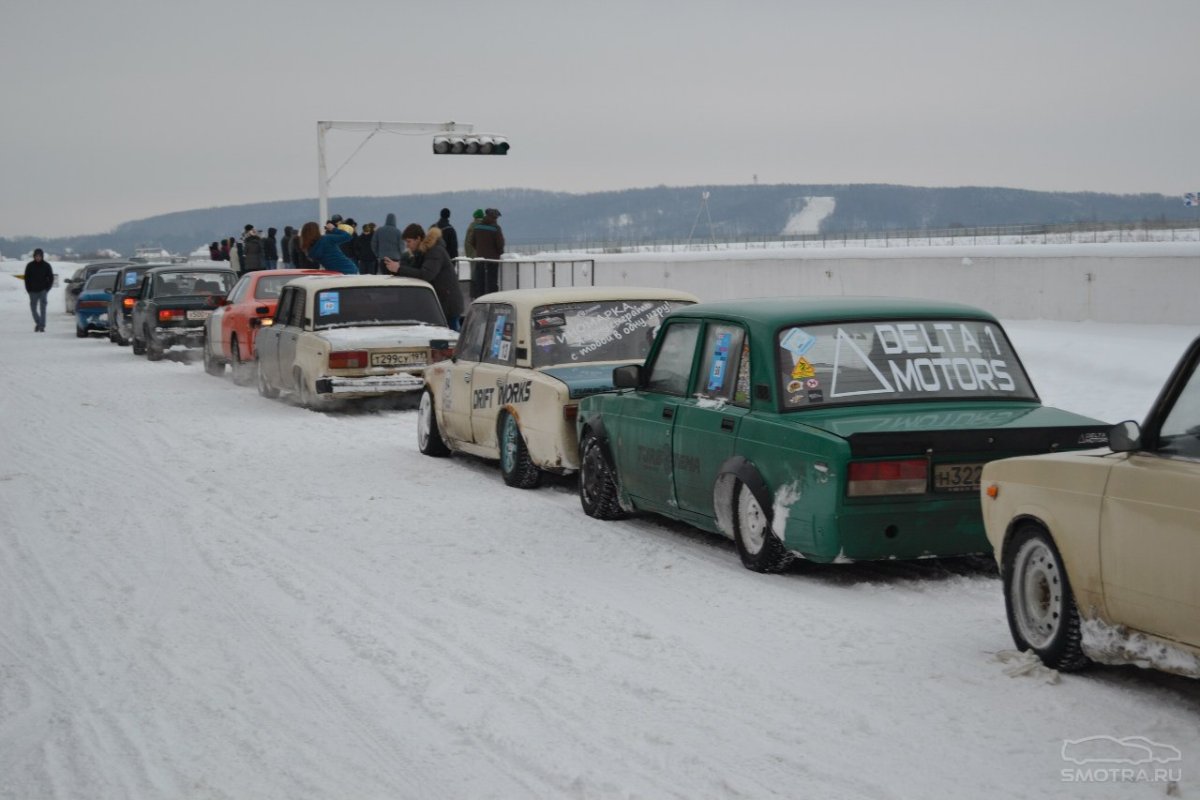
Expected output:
(269, 287)
(101, 282)
(1180, 434)
(179, 284)
(882, 361)
(376, 305)
(606, 330)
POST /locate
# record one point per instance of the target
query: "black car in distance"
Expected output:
(120, 307)
(172, 304)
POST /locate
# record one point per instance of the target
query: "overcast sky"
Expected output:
(120, 110)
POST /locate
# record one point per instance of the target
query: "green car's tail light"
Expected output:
(871, 478)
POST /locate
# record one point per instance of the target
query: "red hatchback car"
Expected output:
(229, 333)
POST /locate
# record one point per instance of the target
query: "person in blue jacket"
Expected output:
(326, 251)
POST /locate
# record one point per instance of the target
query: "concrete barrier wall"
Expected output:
(1136, 283)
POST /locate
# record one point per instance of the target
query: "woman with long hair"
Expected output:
(326, 251)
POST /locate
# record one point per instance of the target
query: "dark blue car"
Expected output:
(91, 308)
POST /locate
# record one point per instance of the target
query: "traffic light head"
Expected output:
(472, 144)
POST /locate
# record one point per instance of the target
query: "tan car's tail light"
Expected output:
(348, 359)
(440, 350)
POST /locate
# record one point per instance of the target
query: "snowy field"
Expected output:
(206, 594)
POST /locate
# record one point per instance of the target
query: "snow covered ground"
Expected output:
(206, 594)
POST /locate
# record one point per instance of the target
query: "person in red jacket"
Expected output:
(39, 277)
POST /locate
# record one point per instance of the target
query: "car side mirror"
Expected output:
(1125, 437)
(262, 310)
(628, 376)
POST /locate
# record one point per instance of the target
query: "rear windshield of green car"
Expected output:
(885, 361)
(604, 330)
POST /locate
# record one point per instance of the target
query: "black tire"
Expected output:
(112, 336)
(153, 351)
(598, 492)
(241, 370)
(757, 545)
(139, 347)
(212, 365)
(80, 333)
(515, 466)
(1042, 615)
(305, 395)
(264, 386)
(429, 437)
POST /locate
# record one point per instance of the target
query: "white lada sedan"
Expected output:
(351, 336)
(524, 359)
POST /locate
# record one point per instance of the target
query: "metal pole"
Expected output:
(322, 175)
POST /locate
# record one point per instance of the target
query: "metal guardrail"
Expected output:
(536, 273)
(1072, 233)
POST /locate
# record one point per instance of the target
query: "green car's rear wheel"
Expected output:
(757, 544)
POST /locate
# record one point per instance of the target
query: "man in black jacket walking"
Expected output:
(39, 277)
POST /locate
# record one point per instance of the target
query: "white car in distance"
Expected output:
(351, 337)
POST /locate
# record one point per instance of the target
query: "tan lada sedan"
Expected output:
(525, 358)
(1099, 550)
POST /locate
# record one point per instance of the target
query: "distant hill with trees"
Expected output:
(662, 213)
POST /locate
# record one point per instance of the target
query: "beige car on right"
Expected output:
(1099, 550)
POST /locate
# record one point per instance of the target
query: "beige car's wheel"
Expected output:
(1042, 615)
(429, 438)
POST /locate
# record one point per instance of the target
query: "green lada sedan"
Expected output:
(832, 429)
